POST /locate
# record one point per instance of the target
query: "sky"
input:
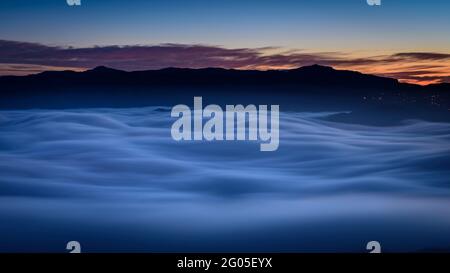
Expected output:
(405, 39)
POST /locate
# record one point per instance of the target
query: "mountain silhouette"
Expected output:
(310, 75)
(308, 88)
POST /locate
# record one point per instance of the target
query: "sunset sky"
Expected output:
(405, 39)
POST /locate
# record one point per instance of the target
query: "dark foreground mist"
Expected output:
(114, 180)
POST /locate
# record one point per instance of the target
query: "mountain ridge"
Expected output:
(314, 74)
(306, 75)
(320, 86)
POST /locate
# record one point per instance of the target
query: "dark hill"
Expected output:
(308, 75)
(309, 88)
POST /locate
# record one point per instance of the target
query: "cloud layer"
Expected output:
(115, 180)
(19, 58)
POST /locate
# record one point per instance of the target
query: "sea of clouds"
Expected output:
(115, 180)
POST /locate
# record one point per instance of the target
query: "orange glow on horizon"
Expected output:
(29, 69)
(421, 71)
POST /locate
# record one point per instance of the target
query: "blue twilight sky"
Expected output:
(312, 25)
